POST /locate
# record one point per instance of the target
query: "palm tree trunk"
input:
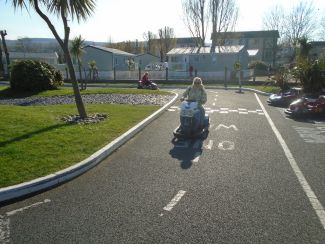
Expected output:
(75, 86)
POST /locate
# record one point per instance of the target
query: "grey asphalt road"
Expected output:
(235, 186)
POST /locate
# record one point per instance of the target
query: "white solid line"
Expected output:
(27, 207)
(175, 200)
(317, 206)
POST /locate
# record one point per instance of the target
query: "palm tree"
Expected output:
(76, 50)
(80, 9)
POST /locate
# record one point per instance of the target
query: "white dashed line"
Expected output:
(175, 200)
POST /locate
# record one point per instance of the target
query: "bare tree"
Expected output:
(150, 38)
(322, 27)
(224, 15)
(196, 18)
(64, 9)
(299, 23)
(274, 20)
(166, 41)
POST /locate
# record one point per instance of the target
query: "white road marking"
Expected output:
(226, 145)
(209, 146)
(171, 110)
(27, 207)
(227, 127)
(5, 221)
(317, 206)
(175, 200)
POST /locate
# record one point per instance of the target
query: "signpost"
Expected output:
(237, 67)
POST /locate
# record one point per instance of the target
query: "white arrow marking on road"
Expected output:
(175, 200)
(315, 203)
(227, 127)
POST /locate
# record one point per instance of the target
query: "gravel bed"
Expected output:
(91, 99)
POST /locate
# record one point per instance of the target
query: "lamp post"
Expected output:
(3, 33)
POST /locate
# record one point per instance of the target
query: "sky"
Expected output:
(123, 20)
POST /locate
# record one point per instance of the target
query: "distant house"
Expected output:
(263, 41)
(185, 42)
(48, 57)
(317, 49)
(106, 58)
(145, 59)
(202, 60)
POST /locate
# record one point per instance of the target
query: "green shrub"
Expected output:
(260, 68)
(29, 75)
(310, 74)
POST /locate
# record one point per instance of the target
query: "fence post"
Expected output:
(166, 73)
(114, 74)
(139, 73)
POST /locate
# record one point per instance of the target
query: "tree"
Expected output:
(150, 38)
(76, 50)
(224, 15)
(274, 20)
(79, 10)
(166, 41)
(196, 18)
(322, 27)
(299, 22)
(305, 47)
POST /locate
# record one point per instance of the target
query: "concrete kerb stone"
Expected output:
(43, 183)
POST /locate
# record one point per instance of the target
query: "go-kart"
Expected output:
(193, 123)
(148, 85)
(284, 98)
(307, 106)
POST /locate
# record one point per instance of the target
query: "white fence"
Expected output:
(157, 75)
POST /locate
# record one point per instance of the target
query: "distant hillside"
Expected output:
(48, 41)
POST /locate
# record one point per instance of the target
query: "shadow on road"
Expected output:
(187, 151)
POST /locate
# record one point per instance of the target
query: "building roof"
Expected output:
(205, 50)
(19, 55)
(247, 34)
(142, 54)
(252, 52)
(110, 50)
(318, 44)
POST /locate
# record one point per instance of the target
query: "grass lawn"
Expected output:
(35, 142)
(6, 92)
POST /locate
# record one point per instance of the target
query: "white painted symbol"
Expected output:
(227, 127)
(175, 200)
(226, 145)
(209, 146)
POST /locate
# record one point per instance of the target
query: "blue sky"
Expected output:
(114, 21)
